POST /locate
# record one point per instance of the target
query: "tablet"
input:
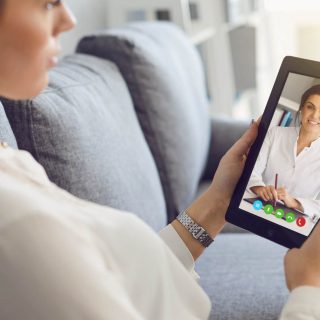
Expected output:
(284, 158)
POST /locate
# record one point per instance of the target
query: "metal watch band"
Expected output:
(197, 231)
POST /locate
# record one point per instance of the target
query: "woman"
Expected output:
(61, 257)
(294, 154)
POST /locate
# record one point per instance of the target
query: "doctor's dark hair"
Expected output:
(314, 90)
(310, 92)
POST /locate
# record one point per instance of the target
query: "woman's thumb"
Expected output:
(243, 145)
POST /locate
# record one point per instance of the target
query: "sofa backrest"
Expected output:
(84, 131)
(6, 133)
(165, 77)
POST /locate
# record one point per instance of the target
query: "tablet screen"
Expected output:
(284, 186)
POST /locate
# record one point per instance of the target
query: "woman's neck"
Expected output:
(306, 138)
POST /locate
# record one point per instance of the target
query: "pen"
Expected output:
(275, 186)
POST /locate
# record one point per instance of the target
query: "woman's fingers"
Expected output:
(291, 260)
(271, 193)
(263, 196)
(243, 145)
(274, 194)
(267, 194)
(302, 265)
(259, 192)
(281, 193)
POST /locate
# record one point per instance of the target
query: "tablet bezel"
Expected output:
(247, 220)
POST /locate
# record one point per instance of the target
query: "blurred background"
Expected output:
(241, 42)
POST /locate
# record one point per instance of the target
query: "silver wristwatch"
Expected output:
(197, 231)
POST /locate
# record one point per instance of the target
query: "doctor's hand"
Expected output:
(288, 200)
(267, 193)
(302, 266)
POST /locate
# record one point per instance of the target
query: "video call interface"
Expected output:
(284, 186)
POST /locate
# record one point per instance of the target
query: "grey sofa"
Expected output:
(124, 122)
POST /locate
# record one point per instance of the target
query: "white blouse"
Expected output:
(68, 259)
(300, 175)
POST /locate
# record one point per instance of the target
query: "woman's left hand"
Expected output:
(209, 210)
(288, 200)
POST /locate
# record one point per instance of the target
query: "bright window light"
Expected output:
(292, 5)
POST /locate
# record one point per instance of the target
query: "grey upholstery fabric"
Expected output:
(6, 133)
(84, 131)
(166, 81)
(243, 275)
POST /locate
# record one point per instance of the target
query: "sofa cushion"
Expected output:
(166, 81)
(6, 133)
(84, 131)
(243, 275)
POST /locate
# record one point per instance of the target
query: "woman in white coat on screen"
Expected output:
(293, 153)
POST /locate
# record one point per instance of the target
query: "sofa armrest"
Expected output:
(224, 132)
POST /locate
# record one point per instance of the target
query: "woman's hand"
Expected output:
(267, 193)
(288, 200)
(302, 266)
(210, 208)
(227, 175)
(231, 166)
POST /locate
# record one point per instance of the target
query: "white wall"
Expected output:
(296, 85)
(90, 14)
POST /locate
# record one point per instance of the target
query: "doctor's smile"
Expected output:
(314, 123)
(310, 114)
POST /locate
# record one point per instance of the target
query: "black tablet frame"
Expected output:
(244, 219)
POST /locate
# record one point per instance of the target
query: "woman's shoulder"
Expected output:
(22, 182)
(21, 164)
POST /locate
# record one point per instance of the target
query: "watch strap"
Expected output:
(196, 231)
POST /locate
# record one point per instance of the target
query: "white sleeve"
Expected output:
(50, 271)
(261, 163)
(303, 304)
(310, 207)
(170, 236)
